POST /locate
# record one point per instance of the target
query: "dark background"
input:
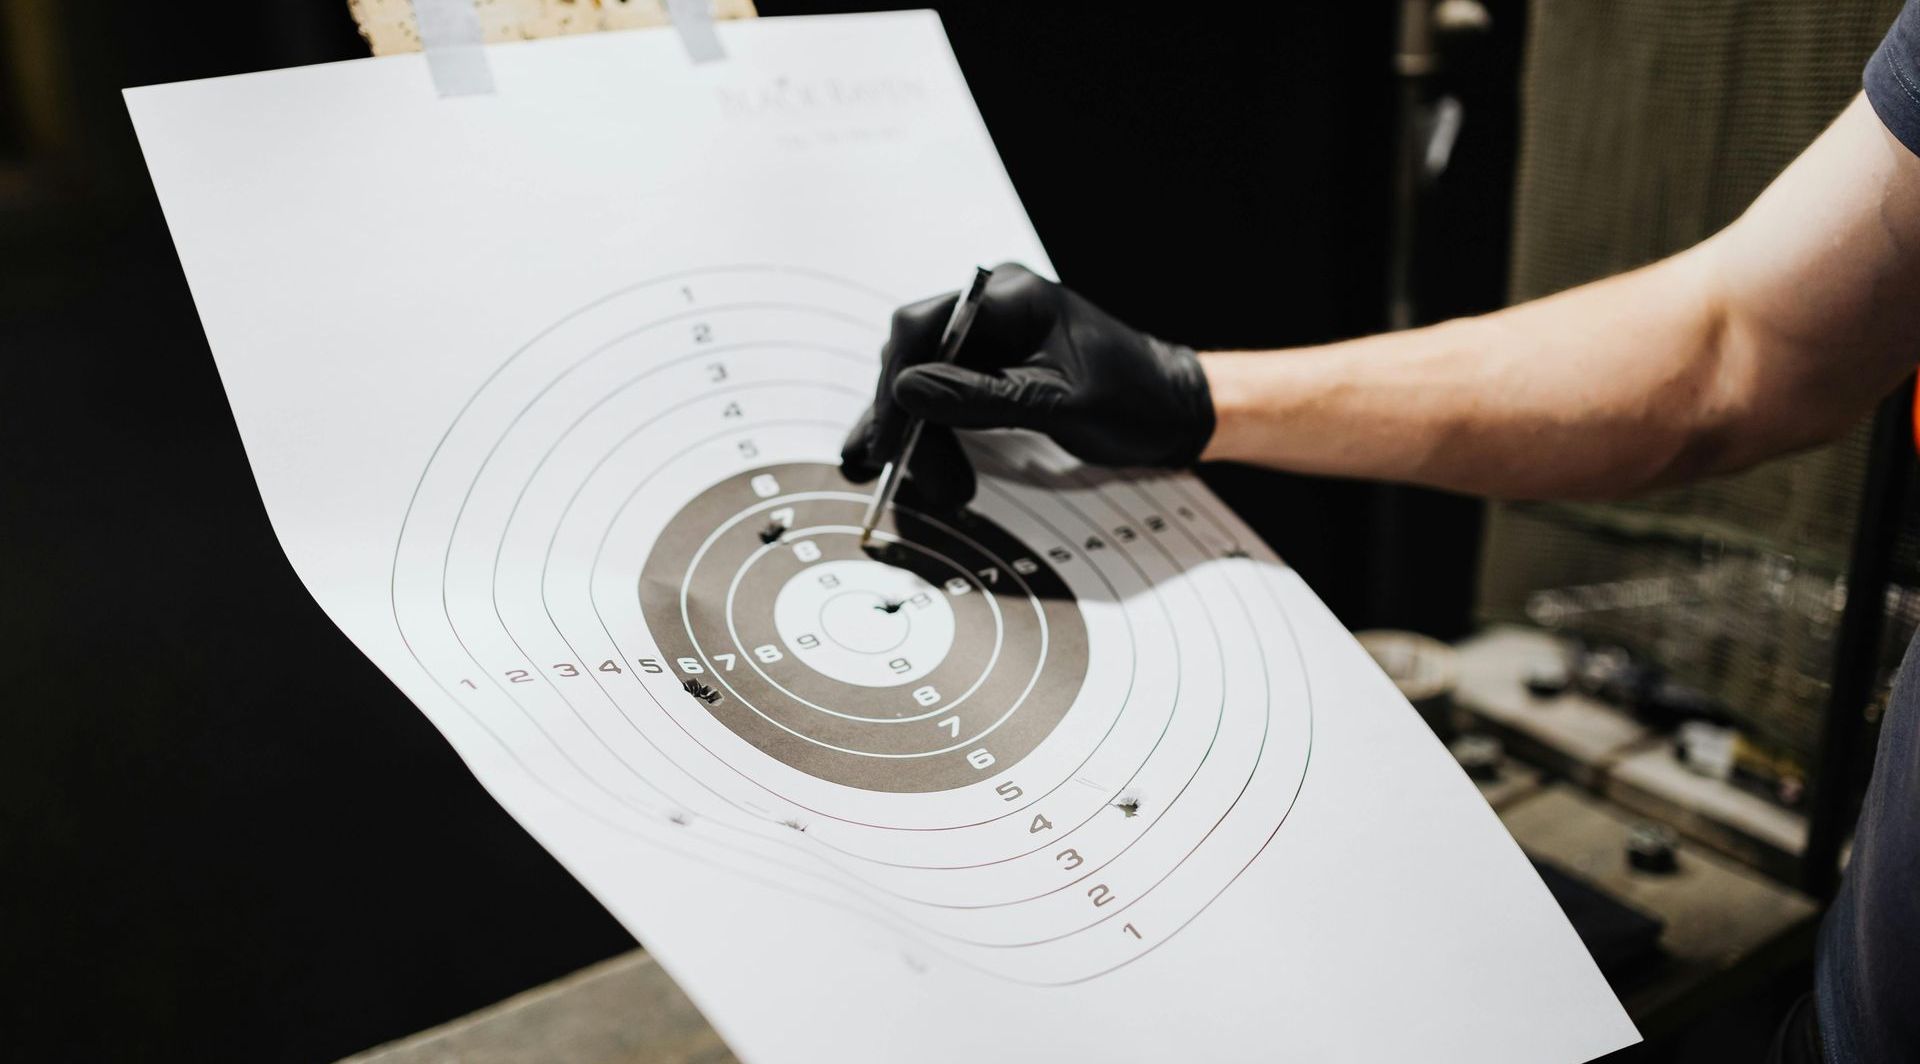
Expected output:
(224, 835)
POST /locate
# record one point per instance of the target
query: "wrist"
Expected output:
(1230, 388)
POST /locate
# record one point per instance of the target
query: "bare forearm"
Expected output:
(1774, 335)
(1591, 392)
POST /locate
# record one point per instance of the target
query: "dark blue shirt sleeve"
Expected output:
(1893, 78)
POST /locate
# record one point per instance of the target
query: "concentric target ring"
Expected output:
(1027, 675)
(913, 597)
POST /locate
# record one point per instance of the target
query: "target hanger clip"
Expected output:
(454, 40)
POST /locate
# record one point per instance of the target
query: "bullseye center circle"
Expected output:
(865, 622)
(833, 617)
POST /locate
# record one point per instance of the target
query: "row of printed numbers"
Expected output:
(1100, 894)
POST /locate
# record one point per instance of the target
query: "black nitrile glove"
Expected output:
(1038, 357)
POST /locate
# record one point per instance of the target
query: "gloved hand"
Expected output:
(1038, 357)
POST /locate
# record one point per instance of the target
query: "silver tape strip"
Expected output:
(694, 20)
(456, 55)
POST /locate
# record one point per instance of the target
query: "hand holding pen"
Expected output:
(1038, 356)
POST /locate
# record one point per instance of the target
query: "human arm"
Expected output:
(1775, 334)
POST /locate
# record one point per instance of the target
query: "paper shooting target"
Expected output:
(1036, 738)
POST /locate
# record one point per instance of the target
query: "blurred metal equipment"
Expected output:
(1423, 668)
(1623, 752)
(1650, 848)
(1427, 128)
(1707, 749)
(1547, 676)
(1431, 37)
(1479, 756)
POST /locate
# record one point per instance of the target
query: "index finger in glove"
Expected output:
(913, 338)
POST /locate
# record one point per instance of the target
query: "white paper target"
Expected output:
(544, 392)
